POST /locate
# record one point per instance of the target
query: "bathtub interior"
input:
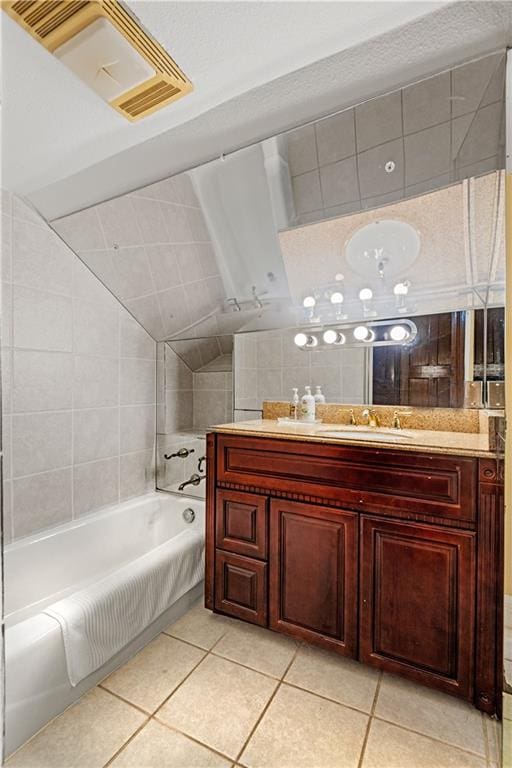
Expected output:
(71, 556)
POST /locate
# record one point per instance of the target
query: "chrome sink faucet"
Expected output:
(371, 416)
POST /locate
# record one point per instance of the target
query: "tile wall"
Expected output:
(188, 403)
(78, 384)
(152, 249)
(437, 131)
(268, 364)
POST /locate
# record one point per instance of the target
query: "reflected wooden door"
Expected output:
(429, 373)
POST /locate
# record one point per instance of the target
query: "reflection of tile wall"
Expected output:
(269, 364)
(213, 396)
(78, 381)
(152, 249)
(437, 131)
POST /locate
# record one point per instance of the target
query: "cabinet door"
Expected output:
(241, 587)
(313, 574)
(417, 598)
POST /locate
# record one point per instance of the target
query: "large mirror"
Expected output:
(390, 211)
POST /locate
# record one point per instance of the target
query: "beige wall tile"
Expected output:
(41, 501)
(95, 485)
(95, 382)
(137, 428)
(95, 434)
(41, 320)
(41, 441)
(335, 137)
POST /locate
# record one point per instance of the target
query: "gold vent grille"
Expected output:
(54, 22)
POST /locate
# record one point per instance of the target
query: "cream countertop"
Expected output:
(419, 440)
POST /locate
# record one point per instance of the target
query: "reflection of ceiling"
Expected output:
(152, 249)
(75, 151)
(436, 132)
(456, 251)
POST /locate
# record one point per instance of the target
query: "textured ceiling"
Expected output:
(423, 46)
(226, 48)
(460, 227)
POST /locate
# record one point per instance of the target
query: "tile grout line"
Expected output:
(128, 741)
(381, 719)
(370, 718)
(267, 705)
(174, 729)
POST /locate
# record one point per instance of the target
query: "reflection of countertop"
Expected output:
(458, 443)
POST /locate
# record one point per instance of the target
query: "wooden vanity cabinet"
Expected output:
(386, 556)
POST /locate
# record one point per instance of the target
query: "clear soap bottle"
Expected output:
(294, 404)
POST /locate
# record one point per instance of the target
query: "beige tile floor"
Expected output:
(211, 692)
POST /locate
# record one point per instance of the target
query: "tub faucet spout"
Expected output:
(194, 479)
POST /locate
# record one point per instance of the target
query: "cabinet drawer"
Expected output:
(381, 481)
(241, 587)
(241, 523)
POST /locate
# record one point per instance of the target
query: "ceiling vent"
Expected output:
(102, 43)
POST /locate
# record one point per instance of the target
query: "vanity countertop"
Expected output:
(419, 440)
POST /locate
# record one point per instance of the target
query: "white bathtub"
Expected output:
(44, 568)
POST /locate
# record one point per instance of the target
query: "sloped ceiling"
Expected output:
(152, 249)
(226, 48)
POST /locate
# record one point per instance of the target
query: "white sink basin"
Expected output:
(375, 433)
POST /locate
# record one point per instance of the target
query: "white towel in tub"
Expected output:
(100, 620)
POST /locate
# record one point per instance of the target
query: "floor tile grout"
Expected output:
(121, 748)
(381, 719)
(269, 702)
(370, 718)
(192, 738)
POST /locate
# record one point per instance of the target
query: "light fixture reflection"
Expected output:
(401, 289)
(333, 337)
(309, 302)
(336, 298)
(303, 340)
(362, 333)
(399, 333)
(366, 294)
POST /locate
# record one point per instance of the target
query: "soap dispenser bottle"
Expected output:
(308, 406)
(294, 404)
(319, 396)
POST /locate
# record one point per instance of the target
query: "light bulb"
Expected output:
(309, 302)
(333, 337)
(361, 333)
(401, 289)
(365, 294)
(336, 298)
(399, 333)
(301, 339)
